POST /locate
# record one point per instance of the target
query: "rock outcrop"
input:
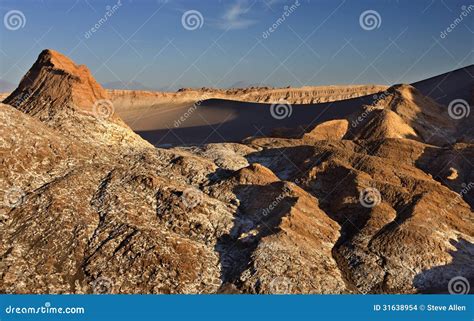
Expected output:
(53, 85)
(65, 96)
(403, 112)
(127, 99)
(87, 206)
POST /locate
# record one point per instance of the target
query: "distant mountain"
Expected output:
(133, 85)
(246, 84)
(6, 86)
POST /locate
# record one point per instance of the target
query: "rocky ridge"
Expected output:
(88, 206)
(302, 95)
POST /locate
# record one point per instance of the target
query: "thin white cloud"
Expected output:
(236, 17)
(269, 3)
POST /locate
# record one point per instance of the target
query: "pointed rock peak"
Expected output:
(66, 97)
(55, 85)
(58, 61)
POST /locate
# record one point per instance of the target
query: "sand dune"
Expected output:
(232, 115)
(204, 116)
(456, 84)
(219, 120)
(207, 115)
(143, 107)
(85, 198)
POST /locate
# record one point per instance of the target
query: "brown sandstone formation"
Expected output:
(87, 206)
(65, 96)
(53, 84)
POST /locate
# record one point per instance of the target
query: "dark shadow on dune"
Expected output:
(251, 224)
(437, 161)
(431, 130)
(238, 120)
(456, 84)
(285, 162)
(351, 218)
(247, 120)
(436, 280)
(404, 211)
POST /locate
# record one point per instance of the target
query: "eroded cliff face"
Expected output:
(66, 97)
(303, 95)
(55, 84)
(88, 206)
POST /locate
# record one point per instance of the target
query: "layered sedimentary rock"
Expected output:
(87, 206)
(66, 97)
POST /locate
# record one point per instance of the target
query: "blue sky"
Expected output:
(321, 42)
